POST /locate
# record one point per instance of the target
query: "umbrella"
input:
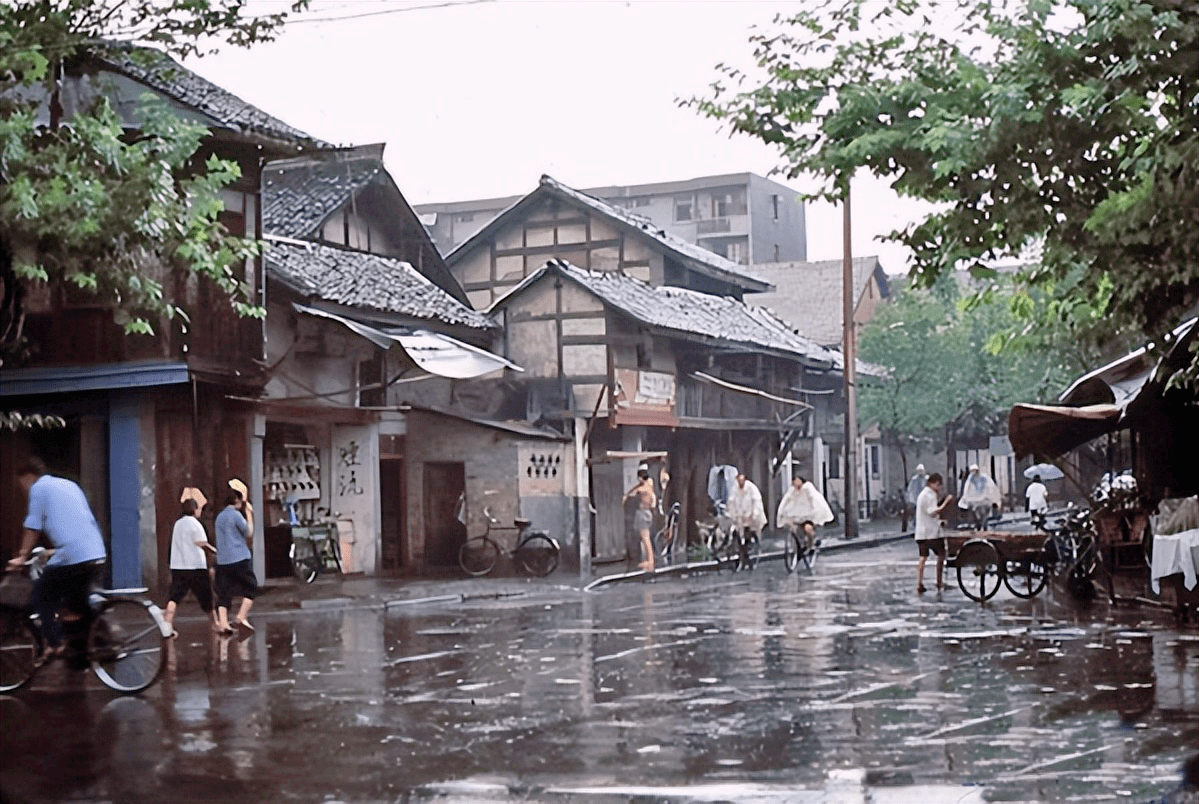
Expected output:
(1047, 471)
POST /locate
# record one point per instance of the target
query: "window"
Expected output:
(684, 208)
(774, 201)
(874, 461)
(736, 252)
(645, 354)
(730, 203)
(776, 252)
(371, 393)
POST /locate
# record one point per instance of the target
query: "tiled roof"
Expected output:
(710, 262)
(808, 295)
(689, 313)
(299, 194)
(162, 73)
(370, 282)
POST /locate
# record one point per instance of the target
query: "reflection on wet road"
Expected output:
(841, 686)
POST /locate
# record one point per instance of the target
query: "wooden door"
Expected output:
(444, 534)
(610, 540)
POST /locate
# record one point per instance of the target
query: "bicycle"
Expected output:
(536, 552)
(1071, 550)
(314, 550)
(664, 539)
(125, 643)
(799, 545)
(743, 552)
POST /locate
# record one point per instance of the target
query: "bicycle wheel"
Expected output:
(1025, 577)
(731, 550)
(126, 645)
(978, 570)
(305, 564)
(752, 551)
(811, 551)
(791, 551)
(538, 555)
(478, 556)
(20, 645)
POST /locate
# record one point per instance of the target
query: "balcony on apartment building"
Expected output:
(705, 401)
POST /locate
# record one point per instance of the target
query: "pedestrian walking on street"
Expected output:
(1038, 501)
(234, 566)
(643, 517)
(189, 564)
(928, 530)
(915, 486)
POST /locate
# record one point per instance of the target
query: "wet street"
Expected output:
(839, 686)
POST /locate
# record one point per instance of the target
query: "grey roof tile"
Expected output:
(298, 195)
(366, 281)
(162, 73)
(711, 262)
(690, 313)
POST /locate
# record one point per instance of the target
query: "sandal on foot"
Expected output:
(920, 589)
(243, 625)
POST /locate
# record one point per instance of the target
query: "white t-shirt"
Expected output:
(186, 554)
(928, 521)
(1037, 496)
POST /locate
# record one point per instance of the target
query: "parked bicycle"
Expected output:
(799, 545)
(1071, 552)
(536, 552)
(314, 550)
(665, 538)
(124, 645)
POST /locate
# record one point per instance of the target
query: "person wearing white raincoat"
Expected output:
(802, 503)
(980, 496)
(745, 507)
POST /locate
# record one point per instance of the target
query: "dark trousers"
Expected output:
(58, 587)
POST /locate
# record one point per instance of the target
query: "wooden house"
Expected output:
(147, 416)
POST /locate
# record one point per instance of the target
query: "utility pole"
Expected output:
(849, 352)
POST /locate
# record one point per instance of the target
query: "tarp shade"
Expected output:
(1048, 431)
(431, 351)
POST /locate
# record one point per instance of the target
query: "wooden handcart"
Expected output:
(986, 559)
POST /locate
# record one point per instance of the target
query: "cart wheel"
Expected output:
(305, 564)
(978, 569)
(1025, 577)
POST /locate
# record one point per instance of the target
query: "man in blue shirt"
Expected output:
(58, 509)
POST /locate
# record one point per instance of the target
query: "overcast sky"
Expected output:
(479, 99)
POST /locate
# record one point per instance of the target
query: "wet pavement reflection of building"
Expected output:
(840, 686)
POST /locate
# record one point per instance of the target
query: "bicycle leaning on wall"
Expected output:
(536, 552)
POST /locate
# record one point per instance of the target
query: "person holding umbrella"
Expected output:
(1038, 501)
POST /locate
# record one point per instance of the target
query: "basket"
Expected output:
(15, 589)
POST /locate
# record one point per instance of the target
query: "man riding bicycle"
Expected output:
(803, 508)
(58, 509)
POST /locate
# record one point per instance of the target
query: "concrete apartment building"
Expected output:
(742, 217)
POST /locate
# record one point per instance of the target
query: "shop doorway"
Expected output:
(445, 484)
(391, 512)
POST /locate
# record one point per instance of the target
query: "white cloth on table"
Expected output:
(1172, 555)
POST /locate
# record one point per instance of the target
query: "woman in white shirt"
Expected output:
(189, 565)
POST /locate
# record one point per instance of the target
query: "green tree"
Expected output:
(946, 380)
(1069, 128)
(84, 204)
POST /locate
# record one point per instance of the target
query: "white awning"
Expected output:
(431, 351)
(447, 357)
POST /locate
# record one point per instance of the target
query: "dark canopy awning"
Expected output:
(1047, 431)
